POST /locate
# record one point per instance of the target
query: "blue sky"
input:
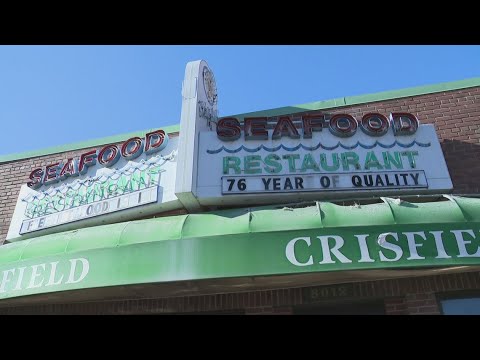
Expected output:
(54, 95)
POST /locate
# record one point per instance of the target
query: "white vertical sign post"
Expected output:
(199, 109)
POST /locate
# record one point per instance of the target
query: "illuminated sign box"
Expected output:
(299, 157)
(109, 184)
(325, 165)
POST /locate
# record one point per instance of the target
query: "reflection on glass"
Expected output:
(470, 306)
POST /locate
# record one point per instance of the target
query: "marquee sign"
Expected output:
(307, 156)
(295, 156)
(319, 167)
(112, 183)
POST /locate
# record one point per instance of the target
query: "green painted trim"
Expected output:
(317, 105)
(245, 242)
(368, 98)
(84, 144)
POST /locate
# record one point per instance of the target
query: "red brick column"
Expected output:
(395, 306)
(422, 304)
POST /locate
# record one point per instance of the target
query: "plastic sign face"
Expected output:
(115, 182)
(302, 157)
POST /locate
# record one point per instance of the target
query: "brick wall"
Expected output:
(409, 296)
(455, 114)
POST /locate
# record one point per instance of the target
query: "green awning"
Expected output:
(272, 240)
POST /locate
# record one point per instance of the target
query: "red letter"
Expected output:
(36, 177)
(157, 145)
(404, 123)
(374, 124)
(129, 152)
(86, 160)
(312, 123)
(112, 155)
(51, 175)
(228, 129)
(343, 125)
(255, 128)
(285, 127)
(69, 169)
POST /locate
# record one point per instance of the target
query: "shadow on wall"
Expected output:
(463, 162)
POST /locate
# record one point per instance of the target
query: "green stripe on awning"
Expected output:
(246, 242)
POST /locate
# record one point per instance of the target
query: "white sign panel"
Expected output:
(323, 166)
(295, 157)
(96, 208)
(323, 182)
(108, 184)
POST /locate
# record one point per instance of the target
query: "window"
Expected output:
(460, 304)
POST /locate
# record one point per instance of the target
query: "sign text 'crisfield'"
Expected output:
(44, 275)
(386, 247)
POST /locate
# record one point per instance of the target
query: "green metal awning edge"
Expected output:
(246, 242)
(264, 219)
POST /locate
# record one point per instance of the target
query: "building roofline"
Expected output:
(317, 105)
(367, 98)
(83, 144)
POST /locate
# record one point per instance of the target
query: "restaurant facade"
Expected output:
(359, 205)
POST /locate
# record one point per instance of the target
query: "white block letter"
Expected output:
(290, 252)
(73, 264)
(462, 242)
(382, 241)
(327, 258)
